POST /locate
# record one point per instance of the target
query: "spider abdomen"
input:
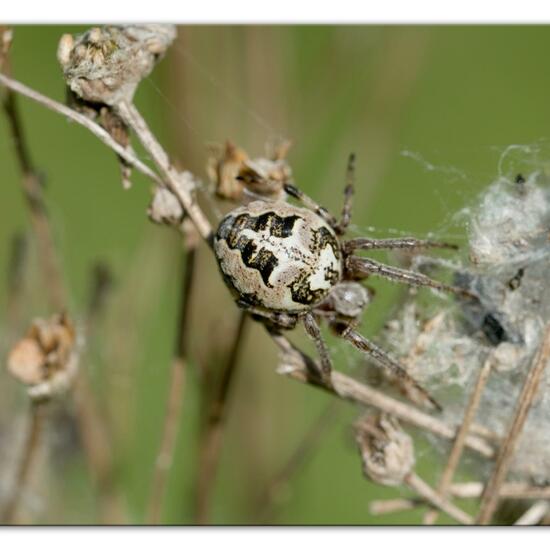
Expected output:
(278, 256)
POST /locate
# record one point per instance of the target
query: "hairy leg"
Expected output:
(308, 202)
(409, 243)
(314, 332)
(359, 268)
(383, 359)
(345, 219)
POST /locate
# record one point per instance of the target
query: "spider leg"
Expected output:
(410, 243)
(382, 358)
(308, 202)
(314, 332)
(348, 197)
(363, 267)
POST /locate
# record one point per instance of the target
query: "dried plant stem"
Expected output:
(96, 129)
(534, 514)
(391, 506)
(32, 189)
(96, 446)
(435, 499)
(349, 389)
(25, 465)
(171, 178)
(472, 489)
(490, 497)
(458, 446)
(211, 439)
(271, 494)
(165, 455)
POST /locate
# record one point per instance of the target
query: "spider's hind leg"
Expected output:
(360, 268)
(314, 332)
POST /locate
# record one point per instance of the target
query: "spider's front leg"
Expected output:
(359, 268)
(338, 226)
(404, 243)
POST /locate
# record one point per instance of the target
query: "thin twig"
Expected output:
(131, 116)
(534, 514)
(165, 455)
(458, 446)
(211, 440)
(96, 446)
(490, 497)
(471, 489)
(33, 191)
(96, 129)
(25, 465)
(435, 499)
(349, 389)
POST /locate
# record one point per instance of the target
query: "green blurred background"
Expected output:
(428, 111)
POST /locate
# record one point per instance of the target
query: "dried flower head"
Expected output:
(105, 65)
(238, 178)
(45, 359)
(386, 450)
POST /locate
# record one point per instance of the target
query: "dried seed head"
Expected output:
(223, 167)
(105, 65)
(45, 359)
(238, 178)
(386, 450)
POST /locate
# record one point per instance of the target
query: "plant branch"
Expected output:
(96, 129)
(351, 390)
(33, 192)
(171, 178)
(490, 497)
(460, 440)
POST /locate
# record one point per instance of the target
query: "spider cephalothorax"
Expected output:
(285, 263)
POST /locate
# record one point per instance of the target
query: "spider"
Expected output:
(287, 264)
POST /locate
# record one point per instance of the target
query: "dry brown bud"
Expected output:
(235, 175)
(105, 65)
(45, 359)
(223, 167)
(387, 451)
